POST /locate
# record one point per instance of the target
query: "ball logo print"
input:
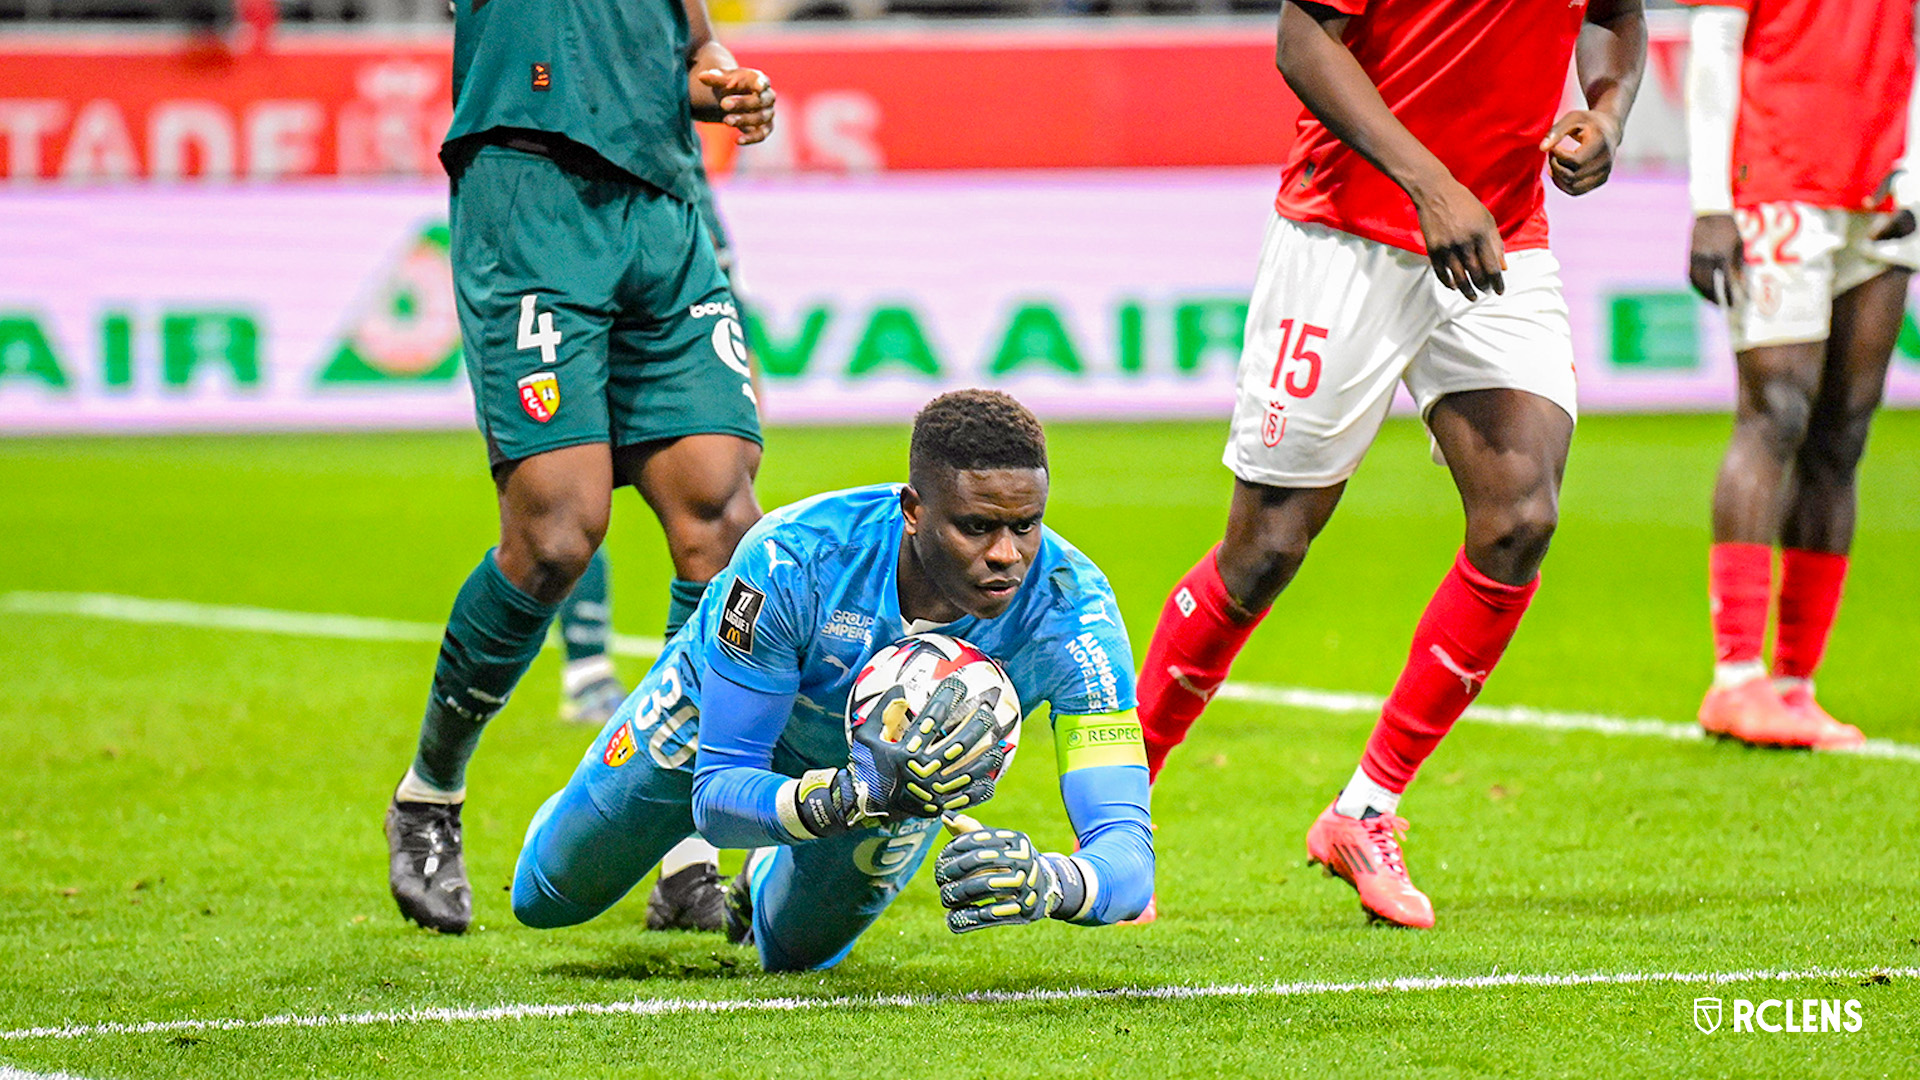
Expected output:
(1706, 1014)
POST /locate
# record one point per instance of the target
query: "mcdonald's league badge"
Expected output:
(540, 395)
(1706, 1014)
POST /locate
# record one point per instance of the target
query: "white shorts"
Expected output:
(1799, 257)
(1337, 321)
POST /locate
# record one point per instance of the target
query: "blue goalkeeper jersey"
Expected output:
(813, 591)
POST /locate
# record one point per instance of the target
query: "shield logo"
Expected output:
(540, 395)
(1706, 1015)
(620, 748)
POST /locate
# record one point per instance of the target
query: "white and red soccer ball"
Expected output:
(918, 664)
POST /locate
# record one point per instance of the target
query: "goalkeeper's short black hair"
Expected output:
(964, 430)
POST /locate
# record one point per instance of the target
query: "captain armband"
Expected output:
(1088, 742)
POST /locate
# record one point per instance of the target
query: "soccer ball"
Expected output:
(919, 663)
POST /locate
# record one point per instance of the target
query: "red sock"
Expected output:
(1193, 646)
(1459, 640)
(1739, 586)
(1810, 584)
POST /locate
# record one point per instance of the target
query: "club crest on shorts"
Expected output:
(620, 748)
(540, 395)
(1275, 427)
(741, 615)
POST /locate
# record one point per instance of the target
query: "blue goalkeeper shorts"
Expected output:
(631, 800)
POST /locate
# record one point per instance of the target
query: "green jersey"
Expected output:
(610, 75)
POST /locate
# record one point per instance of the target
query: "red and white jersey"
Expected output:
(1478, 82)
(1824, 86)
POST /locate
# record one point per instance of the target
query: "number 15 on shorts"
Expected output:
(1298, 372)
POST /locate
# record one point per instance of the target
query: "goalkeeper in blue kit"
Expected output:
(738, 730)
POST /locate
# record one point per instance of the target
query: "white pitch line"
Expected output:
(677, 1006)
(361, 628)
(1334, 701)
(8, 1072)
(137, 609)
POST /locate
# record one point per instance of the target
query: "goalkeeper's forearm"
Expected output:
(739, 807)
(738, 801)
(1108, 807)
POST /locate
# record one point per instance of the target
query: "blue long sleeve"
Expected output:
(1108, 807)
(736, 795)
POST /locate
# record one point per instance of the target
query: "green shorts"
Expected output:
(592, 310)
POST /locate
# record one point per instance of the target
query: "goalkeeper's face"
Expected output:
(976, 532)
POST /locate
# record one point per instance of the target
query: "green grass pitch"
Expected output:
(189, 817)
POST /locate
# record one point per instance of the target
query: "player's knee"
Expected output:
(535, 901)
(1785, 409)
(1255, 569)
(776, 958)
(554, 550)
(707, 527)
(1509, 543)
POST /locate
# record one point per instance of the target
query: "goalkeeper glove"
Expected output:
(994, 877)
(937, 766)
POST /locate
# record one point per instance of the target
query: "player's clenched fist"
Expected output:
(1580, 150)
(900, 766)
(994, 877)
(742, 98)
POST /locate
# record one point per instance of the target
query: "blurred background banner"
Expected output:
(115, 107)
(197, 236)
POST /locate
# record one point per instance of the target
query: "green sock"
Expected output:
(682, 597)
(586, 616)
(494, 633)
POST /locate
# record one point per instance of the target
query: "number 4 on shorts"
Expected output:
(546, 339)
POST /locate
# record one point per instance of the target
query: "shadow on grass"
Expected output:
(667, 963)
(667, 960)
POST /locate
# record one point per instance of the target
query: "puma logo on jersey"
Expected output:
(774, 561)
(1472, 680)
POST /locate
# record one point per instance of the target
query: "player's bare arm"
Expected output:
(723, 92)
(1609, 58)
(1463, 240)
(1715, 254)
